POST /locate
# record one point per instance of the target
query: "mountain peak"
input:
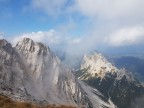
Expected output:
(26, 40)
(119, 85)
(3, 42)
(5, 45)
(96, 65)
(95, 52)
(128, 75)
(27, 45)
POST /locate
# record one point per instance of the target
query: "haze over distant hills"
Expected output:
(134, 64)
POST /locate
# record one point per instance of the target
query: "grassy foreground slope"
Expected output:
(6, 102)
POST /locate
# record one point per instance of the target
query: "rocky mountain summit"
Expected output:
(119, 85)
(96, 65)
(30, 72)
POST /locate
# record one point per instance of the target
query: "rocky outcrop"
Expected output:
(118, 85)
(30, 71)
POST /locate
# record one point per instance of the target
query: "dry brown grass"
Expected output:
(6, 102)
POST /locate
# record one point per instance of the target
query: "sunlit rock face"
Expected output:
(96, 65)
(119, 85)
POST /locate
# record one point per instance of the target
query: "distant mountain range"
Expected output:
(130, 63)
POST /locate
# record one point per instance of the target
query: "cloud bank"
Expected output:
(126, 36)
(51, 38)
(111, 8)
(107, 22)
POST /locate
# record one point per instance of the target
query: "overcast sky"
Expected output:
(76, 26)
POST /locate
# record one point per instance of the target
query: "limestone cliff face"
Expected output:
(96, 65)
(30, 71)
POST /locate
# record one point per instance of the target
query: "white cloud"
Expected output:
(77, 40)
(111, 8)
(126, 36)
(51, 38)
(2, 36)
(92, 8)
(114, 22)
(103, 17)
(40, 36)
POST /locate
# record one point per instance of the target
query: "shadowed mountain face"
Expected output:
(118, 85)
(30, 72)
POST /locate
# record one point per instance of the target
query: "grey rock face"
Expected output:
(30, 69)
